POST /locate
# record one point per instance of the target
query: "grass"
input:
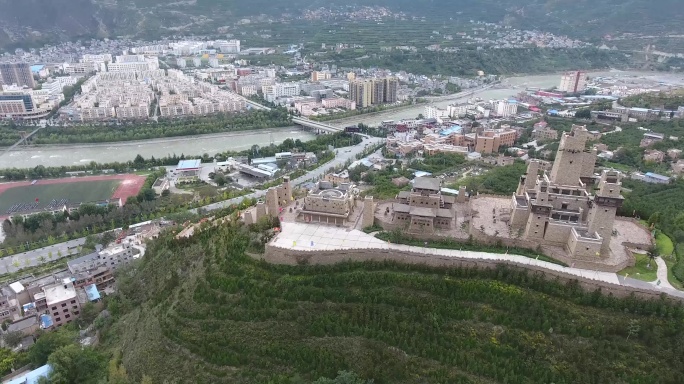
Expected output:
(670, 262)
(640, 271)
(79, 192)
(664, 244)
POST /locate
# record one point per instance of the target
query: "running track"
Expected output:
(130, 184)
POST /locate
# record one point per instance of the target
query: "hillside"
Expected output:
(199, 310)
(34, 21)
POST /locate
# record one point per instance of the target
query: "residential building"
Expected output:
(652, 178)
(320, 75)
(21, 104)
(573, 82)
(674, 153)
(62, 302)
(678, 167)
(378, 93)
(337, 178)
(505, 108)
(361, 92)
(18, 74)
(275, 91)
(130, 63)
(391, 87)
(490, 140)
(542, 131)
(424, 209)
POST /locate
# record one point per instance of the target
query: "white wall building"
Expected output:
(272, 92)
(505, 108)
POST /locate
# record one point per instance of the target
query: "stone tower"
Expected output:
(604, 207)
(461, 198)
(260, 210)
(528, 181)
(368, 212)
(286, 191)
(570, 158)
(272, 202)
(540, 211)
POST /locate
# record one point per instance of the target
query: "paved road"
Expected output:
(662, 273)
(343, 154)
(39, 256)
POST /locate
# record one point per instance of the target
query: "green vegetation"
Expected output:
(666, 101)
(398, 237)
(87, 191)
(439, 162)
(645, 268)
(248, 121)
(205, 312)
(663, 206)
(496, 181)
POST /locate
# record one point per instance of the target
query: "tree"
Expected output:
(13, 338)
(220, 179)
(88, 314)
(652, 254)
(74, 364)
(48, 343)
(343, 377)
(7, 360)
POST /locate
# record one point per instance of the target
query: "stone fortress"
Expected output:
(559, 208)
(567, 212)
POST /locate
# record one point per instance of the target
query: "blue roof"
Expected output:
(656, 176)
(450, 130)
(29, 306)
(45, 321)
(32, 377)
(92, 292)
(553, 111)
(189, 164)
(37, 68)
(422, 174)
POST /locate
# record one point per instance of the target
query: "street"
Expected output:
(39, 256)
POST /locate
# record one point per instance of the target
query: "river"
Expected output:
(212, 144)
(65, 155)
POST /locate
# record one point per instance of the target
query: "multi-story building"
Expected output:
(361, 92)
(573, 82)
(229, 46)
(378, 92)
(391, 87)
(654, 156)
(272, 92)
(18, 74)
(131, 63)
(62, 302)
(424, 209)
(557, 209)
(338, 102)
(542, 131)
(320, 75)
(21, 104)
(490, 140)
(505, 108)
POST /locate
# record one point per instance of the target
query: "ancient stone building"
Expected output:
(558, 209)
(329, 204)
(424, 208)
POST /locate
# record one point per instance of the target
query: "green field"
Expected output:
(78, 192)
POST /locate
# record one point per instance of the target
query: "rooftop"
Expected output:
(59, 292)
(430, 183)
(189, 164)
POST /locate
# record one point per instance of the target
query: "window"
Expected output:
(55, 314)
(76, 312)
(68, 315)
(63, 304)
(58, 319)
(54, 308)
(564, 207)
(73, 301)
(74, 307)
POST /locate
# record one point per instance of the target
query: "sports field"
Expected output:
(54, 193)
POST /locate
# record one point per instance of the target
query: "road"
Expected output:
(343, 155)
(39, 256)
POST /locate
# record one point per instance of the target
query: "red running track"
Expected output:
(130, 184)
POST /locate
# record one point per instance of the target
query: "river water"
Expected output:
(65, 155)
(212, 144)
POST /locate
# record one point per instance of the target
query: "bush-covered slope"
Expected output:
(199, 310)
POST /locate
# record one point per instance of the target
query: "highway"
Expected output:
(39, 256)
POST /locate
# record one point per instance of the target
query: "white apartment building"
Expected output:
(213, 62)
(181, 62)
(433, 112)
(105, 57)
(272, 92)
(83, 68)
(458, 110)
(129, 63)
(505, 108)
(229, 46)
(197, 61)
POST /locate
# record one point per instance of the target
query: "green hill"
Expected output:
(38, 21)
(201, 311)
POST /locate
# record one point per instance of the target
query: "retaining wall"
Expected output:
(277, 255)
